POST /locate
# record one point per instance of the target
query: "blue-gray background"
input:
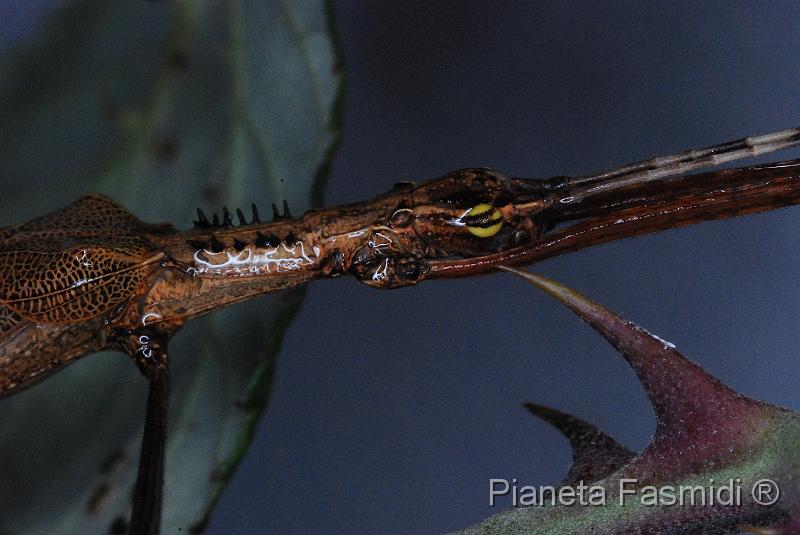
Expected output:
(391, 410)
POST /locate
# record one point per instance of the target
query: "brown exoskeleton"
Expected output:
(91, 276)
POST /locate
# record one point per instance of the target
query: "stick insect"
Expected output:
(92, 276)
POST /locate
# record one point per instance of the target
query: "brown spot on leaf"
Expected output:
(178, 60)
(99, 497)
(166, 149)
(113, 462)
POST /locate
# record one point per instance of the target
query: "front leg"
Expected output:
(148, 350)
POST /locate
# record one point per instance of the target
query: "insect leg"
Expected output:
(147, 494)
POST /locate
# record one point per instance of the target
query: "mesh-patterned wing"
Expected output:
(92, 215)
(10, 322)
(46, 281)
(75, 263)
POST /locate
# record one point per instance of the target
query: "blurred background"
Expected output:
(392, 410)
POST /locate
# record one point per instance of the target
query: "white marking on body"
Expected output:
(457, 221)
(352, 234)
(380, 242)
(147, 316)
(380, 274)
(278, 259)
(144, 342)
(82, 258)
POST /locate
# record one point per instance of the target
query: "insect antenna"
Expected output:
(578, 188)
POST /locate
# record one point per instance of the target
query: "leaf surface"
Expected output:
(164, 107)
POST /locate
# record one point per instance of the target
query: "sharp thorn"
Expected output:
(227, 220)
(202, 220)
(256, 219)
(286, 209)
(240, 215)
(275, 214)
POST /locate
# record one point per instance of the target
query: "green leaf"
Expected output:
(165, 107)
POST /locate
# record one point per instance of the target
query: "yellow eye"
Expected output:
(481, 218)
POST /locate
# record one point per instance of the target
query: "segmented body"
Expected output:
(253, 260)
(92, 276)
